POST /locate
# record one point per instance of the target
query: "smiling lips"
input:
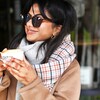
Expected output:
(29, 31)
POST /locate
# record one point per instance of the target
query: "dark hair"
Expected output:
(62, 13)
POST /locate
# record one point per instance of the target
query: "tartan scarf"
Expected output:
(57, 64)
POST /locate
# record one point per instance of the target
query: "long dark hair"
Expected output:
(62, 13)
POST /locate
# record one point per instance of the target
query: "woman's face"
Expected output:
(45, 31)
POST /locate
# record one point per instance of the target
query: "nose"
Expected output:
(29, 23)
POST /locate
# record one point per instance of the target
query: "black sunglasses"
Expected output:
(36, 19)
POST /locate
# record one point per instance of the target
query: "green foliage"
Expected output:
(90, 97)
(87, 36)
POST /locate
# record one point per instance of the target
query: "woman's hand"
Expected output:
(2, 65)
(2, 68)
(21, 70)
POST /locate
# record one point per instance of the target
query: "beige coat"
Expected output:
(66, 88)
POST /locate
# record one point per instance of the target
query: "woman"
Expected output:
(49, 69)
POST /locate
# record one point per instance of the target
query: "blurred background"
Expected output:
(86, 37)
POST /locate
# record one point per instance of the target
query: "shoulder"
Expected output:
(69, 83)
(73, 66)
(70, 76)
(73, 70)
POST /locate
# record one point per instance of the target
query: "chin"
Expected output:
(29, 39)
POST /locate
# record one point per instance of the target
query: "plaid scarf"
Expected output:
(58, 62)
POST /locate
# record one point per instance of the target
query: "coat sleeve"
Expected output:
(3, 87)
(66, 88)
(5, 82)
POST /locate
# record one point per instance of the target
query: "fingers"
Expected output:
(17, 61)
(19, 76)
(15, 69)
(4, 50)
(17, 65)
(2, 66)
(2, 63)
(22, 63)
(21, 70)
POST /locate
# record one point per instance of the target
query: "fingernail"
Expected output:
(4, 65)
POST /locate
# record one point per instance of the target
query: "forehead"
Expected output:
(34, 9)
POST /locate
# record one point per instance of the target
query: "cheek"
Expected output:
(47, 30)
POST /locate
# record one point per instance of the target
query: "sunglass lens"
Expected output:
(27, 18)
(36, 21)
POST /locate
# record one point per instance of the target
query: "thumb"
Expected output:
(4, 50)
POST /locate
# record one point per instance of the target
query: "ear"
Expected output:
(57, 29)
